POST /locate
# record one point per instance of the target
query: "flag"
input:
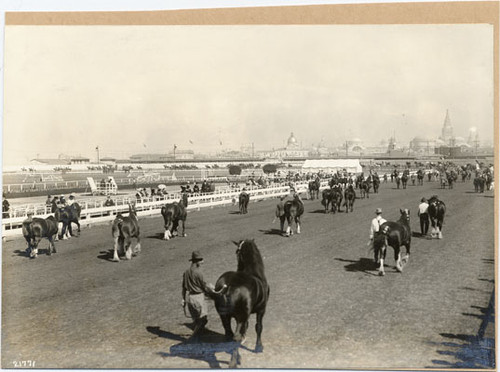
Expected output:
(144, 144)
(191, 142)
(175, 146)
(220, 142)
(97, 148)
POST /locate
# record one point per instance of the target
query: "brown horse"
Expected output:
(123, 230)
(293, 209)
(173, 213)
(243, 200)
(243, 292)
(349, 198)
(394, 234)
(34, 229)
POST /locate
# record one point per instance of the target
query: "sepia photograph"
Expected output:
(292, 187)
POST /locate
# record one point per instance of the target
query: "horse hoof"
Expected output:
(381, 273)
(259, 349)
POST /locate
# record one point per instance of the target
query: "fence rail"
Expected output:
(93, 211)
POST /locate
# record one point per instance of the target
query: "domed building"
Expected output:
(292, 150)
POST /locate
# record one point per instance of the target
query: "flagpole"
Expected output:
(97, 149)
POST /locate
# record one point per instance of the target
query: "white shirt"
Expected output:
(375, 225)
(423, 208)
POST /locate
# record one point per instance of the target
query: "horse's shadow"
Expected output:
(204, 349)
(20, 253)
(234, 212)
(272, 232)
(320, 211)
(365, 265)
(158, 236)
(108, 255)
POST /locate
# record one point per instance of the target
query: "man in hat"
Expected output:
(423, 213)
(375, 226)
(194, 289)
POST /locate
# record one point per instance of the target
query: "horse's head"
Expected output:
(184, 199)
(131, 208)
(248, 256)
(405, 215)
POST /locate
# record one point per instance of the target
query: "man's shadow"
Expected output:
(204, 348)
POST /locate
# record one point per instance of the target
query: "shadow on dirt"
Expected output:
(366, 265)
(20, 253)
(271, 232)
(471, 351)
(158, 236)
(108, 255)
(204, 349)
(320, 211)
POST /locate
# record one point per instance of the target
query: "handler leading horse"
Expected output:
(394, 234)
(247, 293)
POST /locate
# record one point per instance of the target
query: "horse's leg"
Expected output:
(51, 244)
(78, 224)
(115, 247)
(258, 329)
(127, 248)
(282, 224)
(397, 258)
(381, 257)
(297, 222)
(183, 228)
(167, 235)
(226, 323)
(289, 230)
(137, 247)
(34, 248)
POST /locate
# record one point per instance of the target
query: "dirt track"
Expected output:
(328, 308)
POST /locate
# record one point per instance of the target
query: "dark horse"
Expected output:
(326, 199)
(243, 292)
(292, 209)
(314, 186)
(437, 210)
(364, 187)
(173, 213)
(34, 229)
(479, 183)
(376, 184)
(420, 177)
(404, 178)
(349, 198)
(123, 230)
(244, 198)
(394, 234)
(68, 215)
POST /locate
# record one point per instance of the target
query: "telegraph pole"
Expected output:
(97, 149)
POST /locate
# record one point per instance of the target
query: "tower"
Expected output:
(447, 131)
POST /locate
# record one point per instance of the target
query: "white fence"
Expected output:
(93, 212)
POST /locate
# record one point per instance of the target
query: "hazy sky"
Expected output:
(132, 89)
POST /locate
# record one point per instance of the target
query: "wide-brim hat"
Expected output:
(196, 256)
(378, 211)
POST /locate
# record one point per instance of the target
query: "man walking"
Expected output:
(375, 227)
(423, 213)
(194, 289)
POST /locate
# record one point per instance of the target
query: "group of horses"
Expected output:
(58, 226)
(399, 233)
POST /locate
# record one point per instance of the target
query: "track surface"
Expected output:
(328, 308)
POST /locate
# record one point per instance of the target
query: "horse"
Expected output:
(292, 209)
(394, 234)
(314, 186)
(398, 181)
(243, 292)
(67, 215)
(349, 198)
(173, 213)
(327, 196)
(437, 210)
(364, 187)
(420, 177)
(376, 184)
(336, 199)
(451, 178)
(479, 183)
(404, 180)
(34, 229)
(244, 198)
(488, 181)
(123, 230)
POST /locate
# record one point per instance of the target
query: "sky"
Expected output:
(136, 89)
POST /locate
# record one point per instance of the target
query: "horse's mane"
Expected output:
(249, 259)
